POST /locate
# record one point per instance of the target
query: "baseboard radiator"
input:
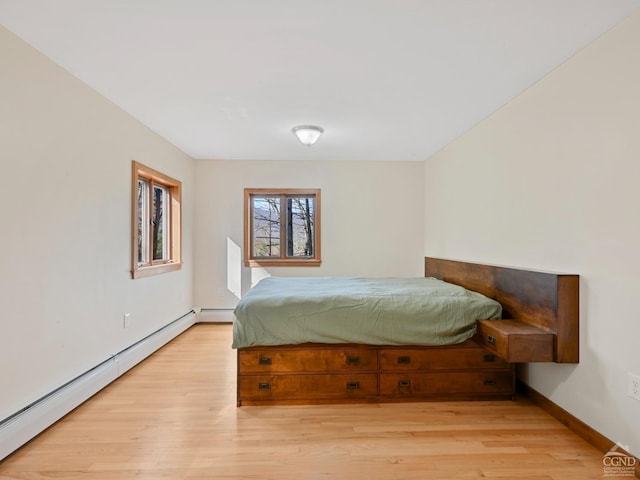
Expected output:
(22, 426)
(215, 315)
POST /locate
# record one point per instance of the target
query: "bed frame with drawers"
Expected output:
(540, 311)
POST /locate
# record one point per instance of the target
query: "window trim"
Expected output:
(174, 187)
(283, 261)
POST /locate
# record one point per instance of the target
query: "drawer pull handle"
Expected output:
(491, 339)
(353, 385)
(404, 360)
(265, 361)
(489, 381)
(264, 386)
(404, 383)
(353, 360)
(489, 358)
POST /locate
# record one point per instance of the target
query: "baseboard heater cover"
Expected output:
(215, 315)
(24, 425)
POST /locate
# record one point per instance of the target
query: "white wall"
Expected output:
(372, 219)
(551, 181)
(65, 192)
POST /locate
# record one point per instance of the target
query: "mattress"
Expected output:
(372, 311)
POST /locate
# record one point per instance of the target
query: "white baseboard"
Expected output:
(21, 427)
(215, 315)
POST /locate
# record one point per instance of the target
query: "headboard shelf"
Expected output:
(546, 301)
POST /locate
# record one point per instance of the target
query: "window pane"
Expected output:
(266, 226)
(160, 214)
(142, 221)
(300, 226)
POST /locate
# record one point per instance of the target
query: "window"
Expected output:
(282, 227)
(156, 225)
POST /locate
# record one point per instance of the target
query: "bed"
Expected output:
(458, 336)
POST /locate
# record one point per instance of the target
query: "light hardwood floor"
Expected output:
(174, 417)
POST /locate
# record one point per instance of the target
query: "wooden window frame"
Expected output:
(174, 187)
(283, 260)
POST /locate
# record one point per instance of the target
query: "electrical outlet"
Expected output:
(126, 320)
(633, 385)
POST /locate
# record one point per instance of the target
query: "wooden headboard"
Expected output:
(544, 300)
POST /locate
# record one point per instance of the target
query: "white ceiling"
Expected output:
(387, 79)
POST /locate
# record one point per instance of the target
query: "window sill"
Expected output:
(282, 263)
(155, 270)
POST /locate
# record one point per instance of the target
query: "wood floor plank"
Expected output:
(174, 417)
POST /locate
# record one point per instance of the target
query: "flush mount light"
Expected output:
(307, 134)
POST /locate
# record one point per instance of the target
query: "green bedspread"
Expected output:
(374, 311)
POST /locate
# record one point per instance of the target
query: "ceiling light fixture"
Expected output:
(307, 134)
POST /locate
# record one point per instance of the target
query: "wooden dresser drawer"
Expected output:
(471, 383)
(516, 342)
(347, 359)
(449, 358)
(308, 387)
